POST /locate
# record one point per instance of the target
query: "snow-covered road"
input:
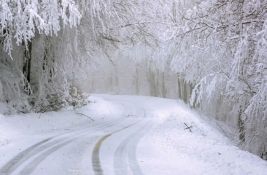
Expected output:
(120, 135)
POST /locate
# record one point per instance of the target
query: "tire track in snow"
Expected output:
(12, 164)
(96, 164)
(126, 152)
(32, 165)
(30, 152)
(120, 159)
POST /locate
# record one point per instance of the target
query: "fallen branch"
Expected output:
(131, 115)
(85, 116)
(188, 127)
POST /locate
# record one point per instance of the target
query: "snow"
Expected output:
(17, 132)
(99, 106)
(152, 128)
(170, 148)
(3, 108)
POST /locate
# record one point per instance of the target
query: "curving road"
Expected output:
(106, 147)
(150, 137)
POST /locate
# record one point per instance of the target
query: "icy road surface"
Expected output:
(120, 135)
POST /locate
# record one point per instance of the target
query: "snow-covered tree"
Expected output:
(222, 51)
(20, 20)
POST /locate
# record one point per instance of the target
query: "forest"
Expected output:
(212, 54)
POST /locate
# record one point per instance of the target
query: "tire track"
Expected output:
(96, 164)
(11, 165)
(126, 153)
(33, 164)
(30, 152)
(120, 159)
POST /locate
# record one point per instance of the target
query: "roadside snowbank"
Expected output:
(17, 126)
(186, 144)
(19, 131)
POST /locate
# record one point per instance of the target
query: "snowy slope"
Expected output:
(171, 149)
(120, 135)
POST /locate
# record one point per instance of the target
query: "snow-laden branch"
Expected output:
(20, 20)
